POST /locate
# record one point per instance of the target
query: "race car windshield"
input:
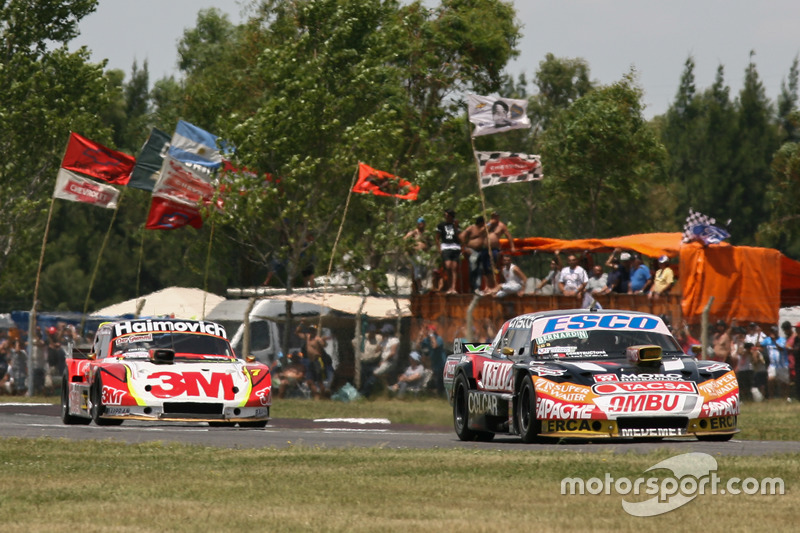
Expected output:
(591, 344)
(187, 346)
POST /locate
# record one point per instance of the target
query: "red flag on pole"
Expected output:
(168, 214)
(380, 183)
(95, 160)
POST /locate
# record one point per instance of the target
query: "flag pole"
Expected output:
(99, 257)
(336, 243)
(141, 255)
(483, 206)
(32, 318)
(205, 275)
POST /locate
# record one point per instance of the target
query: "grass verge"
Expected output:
(55, 485)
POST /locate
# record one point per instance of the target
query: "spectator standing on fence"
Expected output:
(450, 248)
(476, 239)
(419, 261)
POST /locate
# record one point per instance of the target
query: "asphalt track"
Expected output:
(42, 420)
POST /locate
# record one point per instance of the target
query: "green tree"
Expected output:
(787, 103)
(338, 82)
(47, 91)
(602, 159)
(757, 141)
(783, 196)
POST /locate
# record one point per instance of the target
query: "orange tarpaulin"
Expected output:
(748, 283)
(744, 281)
(649, 244)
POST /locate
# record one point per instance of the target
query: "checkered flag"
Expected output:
(498, 168)
(700, 227)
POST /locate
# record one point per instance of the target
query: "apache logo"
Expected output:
(143, 326)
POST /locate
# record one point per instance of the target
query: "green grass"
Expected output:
(55, 485)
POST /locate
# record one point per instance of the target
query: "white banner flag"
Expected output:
(182, 183)
(498, 168)
(496, 115)
(76, 188)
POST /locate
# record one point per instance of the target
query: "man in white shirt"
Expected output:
(573, 278)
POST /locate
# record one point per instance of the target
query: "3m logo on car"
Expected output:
(172, 384)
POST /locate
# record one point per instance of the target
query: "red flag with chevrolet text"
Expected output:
(95, 160)
(380, 183)
(168, 214)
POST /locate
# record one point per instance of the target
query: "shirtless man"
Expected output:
(498, 229)
(419, 243)
(475, 238)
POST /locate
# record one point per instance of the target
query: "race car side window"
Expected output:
(103, 338)
(516, 339)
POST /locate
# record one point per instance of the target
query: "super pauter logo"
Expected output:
(148, 326)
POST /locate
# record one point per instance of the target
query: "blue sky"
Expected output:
(613, 36)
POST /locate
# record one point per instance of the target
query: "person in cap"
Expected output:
(619, 276)
(663, 280)
(411, 380)
(418, 240)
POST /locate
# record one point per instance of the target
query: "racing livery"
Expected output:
(588, 374)
(164, 369)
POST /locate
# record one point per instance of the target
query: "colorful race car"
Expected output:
(164, 369)
(591, 375)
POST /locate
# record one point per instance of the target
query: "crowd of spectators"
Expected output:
(48, 355)
(765, 361)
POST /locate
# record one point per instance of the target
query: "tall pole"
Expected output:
(32, 344)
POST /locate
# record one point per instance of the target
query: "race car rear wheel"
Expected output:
(529, 426)
(98, 408)
(65, 416)
(461, 409)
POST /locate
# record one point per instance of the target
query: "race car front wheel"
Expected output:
(98, 408)
(529, 426)
(65, 416)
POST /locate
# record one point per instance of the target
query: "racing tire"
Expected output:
(529, 426)
(461, 409)
(67, 418)
(253, 424)
(98, 408)
(715, 438)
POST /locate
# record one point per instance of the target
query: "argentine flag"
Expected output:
(193, 145)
